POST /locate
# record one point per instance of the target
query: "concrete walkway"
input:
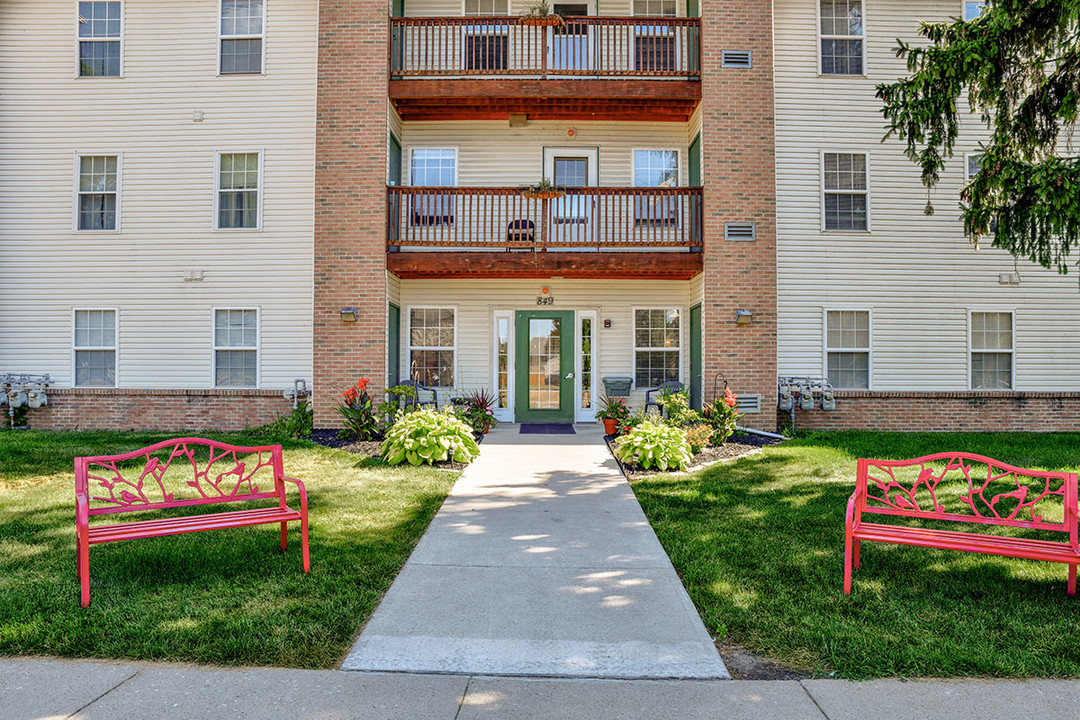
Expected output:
(36, 689)
(540, 563)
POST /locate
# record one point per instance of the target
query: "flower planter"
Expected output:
(544, 194)
(610, 426)
(541, 20)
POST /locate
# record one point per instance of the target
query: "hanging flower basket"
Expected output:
(541, 20)
(542, 190)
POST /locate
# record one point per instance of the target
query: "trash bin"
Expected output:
(618, 386)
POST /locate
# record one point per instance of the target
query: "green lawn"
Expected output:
(227, 596)
(760, 546)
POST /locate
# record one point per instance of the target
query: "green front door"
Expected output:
(544, 366)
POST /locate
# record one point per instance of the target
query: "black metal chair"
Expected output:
(416, 400)
(665, 387)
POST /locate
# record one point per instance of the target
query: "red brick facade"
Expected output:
(165, 410)
(738, 172)
(946, 412)
(350, 201)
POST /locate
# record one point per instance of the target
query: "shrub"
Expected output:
(722, 416)
(429, 436)
(397, 403)
(297, 423)
(677, 409)
(652, 444)
(357, 414)
(698, 436)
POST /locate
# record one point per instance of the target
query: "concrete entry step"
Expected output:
(540, 563)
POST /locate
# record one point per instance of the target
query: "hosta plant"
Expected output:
(429, 436)
(654, 445)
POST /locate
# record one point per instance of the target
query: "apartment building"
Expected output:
(203, 202)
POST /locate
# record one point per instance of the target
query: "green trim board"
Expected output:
(393, 346)
(542, 326)
(696, 379)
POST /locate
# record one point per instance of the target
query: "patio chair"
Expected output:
(664, 388)
(417, 400)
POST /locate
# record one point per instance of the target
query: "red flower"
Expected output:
(730, 398)
(362, 383)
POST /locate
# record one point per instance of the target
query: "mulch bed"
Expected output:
(737, 446)
(328, 437)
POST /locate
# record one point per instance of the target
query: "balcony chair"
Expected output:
(520, 232)
(664, 387)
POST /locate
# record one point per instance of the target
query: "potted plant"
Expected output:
(479, 412)
(540, 14)
(614, 413)
(542, 190)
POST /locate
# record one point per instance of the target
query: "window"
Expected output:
(972, 167)
(238, 190)
(95, 348)
(973, 10)
(99, 39)
(991, 350)
(656, 347)
(845, 196)
(487, 8)
(236, 348)
(586, 363)
(656, 168)
(655, 8)
(433, 167)
(847, 348)
(241, 36)
(841, 37)
(98, 192)
(431, 346)
(502, 328)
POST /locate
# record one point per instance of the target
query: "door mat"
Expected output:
(547, 429)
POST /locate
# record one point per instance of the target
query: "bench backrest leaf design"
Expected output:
(968, 488)
(214, 472)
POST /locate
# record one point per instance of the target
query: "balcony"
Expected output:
(587, 232)
(589, 67)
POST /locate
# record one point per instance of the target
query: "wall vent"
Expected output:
(748, 403)
(736, 59)
(740, 232)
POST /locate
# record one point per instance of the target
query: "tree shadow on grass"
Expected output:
(759, 544)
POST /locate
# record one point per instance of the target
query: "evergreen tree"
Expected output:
(1019, 64)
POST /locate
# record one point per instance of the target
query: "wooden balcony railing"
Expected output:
(594, 218)
(580, 47)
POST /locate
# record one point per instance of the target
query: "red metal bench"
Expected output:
(205, 472)
(965, 488)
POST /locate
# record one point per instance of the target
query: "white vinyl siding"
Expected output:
(657, 346)
(991, 339)
(166, 194)
(842, 37)
(239, 191)
(100, 39)
(97, 193)
(432, 352)
(94, 348)
(236, 347)
(242, 37)
(847, 348)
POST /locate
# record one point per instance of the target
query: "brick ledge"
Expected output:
(165, 392)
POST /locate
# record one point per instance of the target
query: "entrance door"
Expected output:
(696, 379)
(544, 367)
(569, 46)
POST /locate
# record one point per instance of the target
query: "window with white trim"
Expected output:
(486, 8)
(242, 35)
(95, 348)
(841, 37)
(432, 346)
(659, 169)
(972, 167)
(239, 185)
(100, 28)
(991, 350)
(236, 347)
(98, 192)
(845, 191)
(973, 10)
(432, 167)
(654, 8)
(847, 348)
(657, 347)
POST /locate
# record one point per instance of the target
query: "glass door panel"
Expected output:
(544, 367)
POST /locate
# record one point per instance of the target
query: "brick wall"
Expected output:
(350, 201)
(946, 411)
(165, 410)
(738, 170)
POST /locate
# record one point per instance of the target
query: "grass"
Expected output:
(227, 596)
(759, 544)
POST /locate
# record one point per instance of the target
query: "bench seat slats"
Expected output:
(968, 542)
(190, 523)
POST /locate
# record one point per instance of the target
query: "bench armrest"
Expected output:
(303, 492)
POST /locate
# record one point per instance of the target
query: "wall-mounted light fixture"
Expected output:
(348, 314)
(743, 317)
